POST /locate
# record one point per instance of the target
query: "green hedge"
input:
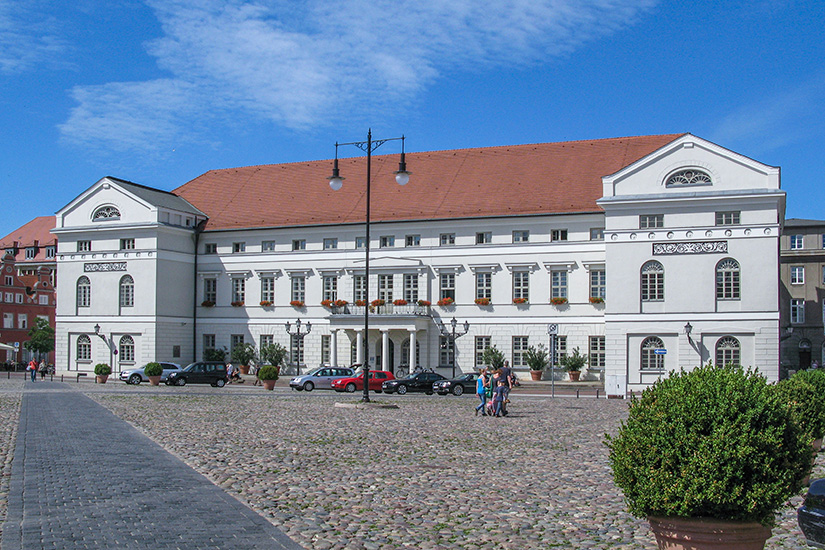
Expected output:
(806, 405)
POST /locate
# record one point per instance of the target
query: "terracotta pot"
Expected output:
(536, 375)
(269, 384)
(244, 369)
(674, 533)
(574, 375)
(101, 378)
(154, 380)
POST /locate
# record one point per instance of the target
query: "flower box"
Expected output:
(266, 303)
(519, 300)
(596, 300)
(377, 303)
(237, 304)
(208, 303)
(399, 303)
(444, 302)
(425, 303)
(483, 301)
(360, 303)
(326, 303)
(558, 301)
(297, 303)
(341, 303)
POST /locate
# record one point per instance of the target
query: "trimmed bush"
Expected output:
(806, 405)
(102, 369)
(153, 369)
(268, 372)
(715, 442)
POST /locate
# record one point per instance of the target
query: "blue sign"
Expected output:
(660, 351)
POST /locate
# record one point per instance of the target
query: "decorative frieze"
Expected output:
(700, 247)
(104, 266)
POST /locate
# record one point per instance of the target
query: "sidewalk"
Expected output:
(83, 478)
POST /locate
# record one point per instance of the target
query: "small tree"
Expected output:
(494, 357)
(244, 354)
(574, 362)
(275, 354)
(536, 357)
(213, 354)
(41, 338)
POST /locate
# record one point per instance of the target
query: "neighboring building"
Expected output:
(27, 291)
(802, 253)
(620, 242)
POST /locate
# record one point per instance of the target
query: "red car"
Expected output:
(356, 383)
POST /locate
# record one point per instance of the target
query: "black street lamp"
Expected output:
(451, 334)
(300, 336)
(402, 176)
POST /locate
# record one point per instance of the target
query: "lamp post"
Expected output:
(451, 334)
(402, 176)
(300, 336)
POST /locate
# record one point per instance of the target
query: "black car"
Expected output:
(420, 381)
(811, 515)
(202, 372)
(458, 385)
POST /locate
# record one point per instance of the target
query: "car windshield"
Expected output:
(314, 372)
(411, 376)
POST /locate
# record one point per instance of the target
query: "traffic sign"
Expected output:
(553, 328)
(660, 351)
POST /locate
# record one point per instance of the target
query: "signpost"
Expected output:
(553, 331)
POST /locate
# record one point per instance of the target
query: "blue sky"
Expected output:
(158, 92)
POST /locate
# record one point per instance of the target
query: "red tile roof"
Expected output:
(39, 229)
(541, 178)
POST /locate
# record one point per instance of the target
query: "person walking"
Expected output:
(507, 377)
(481, 391)
(498, 398)
(32, 368)
(43, 369)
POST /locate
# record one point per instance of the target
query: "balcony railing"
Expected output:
(387, 309)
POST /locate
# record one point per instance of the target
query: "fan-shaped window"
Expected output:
(727, 279)
(127, 291)
(84, 292)
(727, 351)
(84, 348)
(106, 213)
(650, 360)
(127, 349)
(688, 177)
(653, 282)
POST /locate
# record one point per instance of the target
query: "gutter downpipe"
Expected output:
(198, 230)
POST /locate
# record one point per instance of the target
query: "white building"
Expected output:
(667, 230)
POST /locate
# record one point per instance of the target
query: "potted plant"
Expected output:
(807, 407)
(400, 302)
(573, 364)
(709, 456)
(558, 301)
(446, 302)
(360, 303)
(519, 301)
(424, 303)
(213, 354)
(483, 301)
(266, 303)
(537, 359)
(208, 303)
(237, 303)
(102, 372)
(243, 355)
(494, 357)
(326, 303)
(297, 303)
(268, 374)
(341, 303)
(596, 300)
(377, 302)
(153, 372)
(275, 354)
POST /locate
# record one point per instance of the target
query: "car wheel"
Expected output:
(181, 382)
(458, 390)
(350, 388)
(298, 388)
(429, 392)
(402, 389)
(134, 379)
(220, 382)
(309, 386)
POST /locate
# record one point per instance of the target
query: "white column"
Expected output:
(385, 350)
(333, 348)
(412, 350)
(359, 346)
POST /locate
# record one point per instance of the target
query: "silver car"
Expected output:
(136, 376)
(320, 378)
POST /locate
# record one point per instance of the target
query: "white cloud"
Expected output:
(302, 64)
(26, 36)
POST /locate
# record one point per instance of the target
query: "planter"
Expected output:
(101, 378)
(674, 533)
(269, 384)
(244, 369)
(154, 380)
(535, 375)
(574, 375)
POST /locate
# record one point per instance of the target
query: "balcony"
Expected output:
(410, 310)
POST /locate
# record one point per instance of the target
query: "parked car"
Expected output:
(811, 515)
(356, 383)
(136, 376)
(320, 378)
(458, 385)
(419, 381)
(201, 372)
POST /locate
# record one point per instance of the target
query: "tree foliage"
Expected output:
(41, 337)
(274, 354)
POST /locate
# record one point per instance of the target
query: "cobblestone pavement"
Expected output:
(427, 475)
(82, 478)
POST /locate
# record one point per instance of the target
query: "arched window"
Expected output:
(127, 291)
(650, 360)
(106, 213)
(84, 292)
(727, 279)
(653, 282)
(688, 177)
(127, 349)
(727, 351)
(84, 348)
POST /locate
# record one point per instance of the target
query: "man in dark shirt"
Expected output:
(507, 377)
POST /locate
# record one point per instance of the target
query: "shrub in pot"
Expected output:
(537, 359)
(816, 378)
(494, 357)
(269, 375)
(243, 355)
(806, 405)
(153, 371)
(709, 449)
(573, 363)
(102, 372)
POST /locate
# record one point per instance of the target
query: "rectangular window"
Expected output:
(297, 350)
(330, 287)
(447, 352)
(387, 241)
(236, 340)
(558, 235)
(22, 320)
(298, 288)
(266, 340)
(558, 284)
(521, 286)
(127, 244)
(268, 289)
(412, 240)
(267, 246)
(31, 252)
(8, 320)
(84, 246)
(385, 288)
(447, 239)
(50, 252)
(598, 283)
(521, 236)
(238, 289)
(237, 248)
(597, 354)
(796, 242)
(727, 218)
(797, 310)
(330, 243)
(43, 299)
(9, 281)
(210, 248)
(359, 288)
(484, 285)
(360, 242)
(299, 244)
(561, 348)
(447, 286)
(597, 233)
(411, 287)
(651, 221)
(325, 349)
(18, 298)
(485, 237)
(210, 290)
(797, 275)
(520, 344)
(208, 341)
(481, 344)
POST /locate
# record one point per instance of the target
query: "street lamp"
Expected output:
(300, 336)
(402, 176)
(451, 334)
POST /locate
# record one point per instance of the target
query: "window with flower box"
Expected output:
(558, 284)
(359, 289)
(385, 288)
(521, 286)
(210, 290)
(298, 288)
(411, 287)
(484, 285)
(330, 288)
(447, 286)
(238, 289)
(598, 283)
(268, 289)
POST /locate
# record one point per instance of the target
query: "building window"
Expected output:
(208, 342)
(520, 344)
(558, 284)
(238, 289)
(360, 242)
(558, 235)
(597, 354)
(43, 299)
(84, 348)
(651, 221)
(127, 291)
(521, 236)
(650, 360)
(484, 285)
(50, 252)
(727, 279)
(266, 340)
(521, 286)
(411, 287)
(727, 351)
(359, 288)
(299, 244)
(653, 282)
(412, 240)
(18, 298)
(561, 348)
(597, 233)
(235, 341)
(325, 349)
(175, 352)
(405, 353)
(797, 311)
(268, 289)
(84, 292)
(127, 349)
(796, 242)
(485, 237)
(210, 248)
(22, 321)
(797, 275)
(127, 244)
(385, 288)
(447, 239)
(727, 218)
(106, 213)
(386, 241)
(267, 246)
(330, 288)
(237, 248)
(447, 286)
(210, 290)
(481, 345)
(31, 252)
(688, 177)
(447, 355)
(298, 288)
(84, 246)
(330, 243)
(8, 320)
(598, 283)
(296, 354)
(9, 281)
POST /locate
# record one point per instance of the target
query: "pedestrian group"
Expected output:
(493, 390)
